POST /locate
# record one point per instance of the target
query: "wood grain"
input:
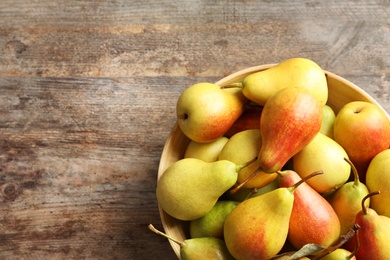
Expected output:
(87, 99)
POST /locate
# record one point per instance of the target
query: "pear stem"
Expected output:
(233, 85)
(155, 230)
(364, 208)
(357, 243)
(343, 239)
(304, 179)
(354, 171)
(239, 186)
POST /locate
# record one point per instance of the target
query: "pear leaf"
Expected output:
(306, 250)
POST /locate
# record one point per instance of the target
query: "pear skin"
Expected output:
(250, 119)
(206, 112)
(248, 142)
(257, 228)
(378, 178)
(208, 152)
(346, 201)
(363, 130)
(290, 120)
(339, 254)
(190, 187)
(296, 72)
(373, 235)
(313, 219)
(211, 224)
(323, 153)
(328, 118)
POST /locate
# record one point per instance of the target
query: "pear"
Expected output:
(289, 121)
(313, 219)
(211, 224)
(378, 178)
(346, 201)
(207, 152)
(323, 153)
(206, 112)
(328, 118)
(190, 187)
(199, 248)
(257, 228)
(248, 142)
(340, 254)
(373, 235)
(296, 72)
(363, 130)
(250, 119)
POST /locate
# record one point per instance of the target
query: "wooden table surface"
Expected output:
(87, 99)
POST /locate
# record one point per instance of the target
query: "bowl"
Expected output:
(341, 91)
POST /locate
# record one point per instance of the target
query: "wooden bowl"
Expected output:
(341, 91)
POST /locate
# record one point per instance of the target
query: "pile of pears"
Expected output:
(271, 171)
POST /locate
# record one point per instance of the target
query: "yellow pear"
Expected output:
(207, 152)
(190, 187)
(323, 153)
(378, 178)
(257, 228)
(242, 147)
(340, 254)
(295, 72)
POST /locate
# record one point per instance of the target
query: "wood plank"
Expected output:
(74, 12)
(78, 165)
(188, 49)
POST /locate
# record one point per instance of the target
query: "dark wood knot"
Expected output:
(10, 191)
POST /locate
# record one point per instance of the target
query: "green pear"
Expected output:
(323, 153)
(207, 152)
(199, 248)
(378, 178)
(289, 121)
(296, 72)
(373, 235)
(313, 219)
(211, 224)
(248, 143)
(328, 118)
(190, 187)
(346, 201)
(206, 112)
(257, 228)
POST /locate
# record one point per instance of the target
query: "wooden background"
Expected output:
(87, 99)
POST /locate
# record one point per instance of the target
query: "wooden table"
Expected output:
(87, 99)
